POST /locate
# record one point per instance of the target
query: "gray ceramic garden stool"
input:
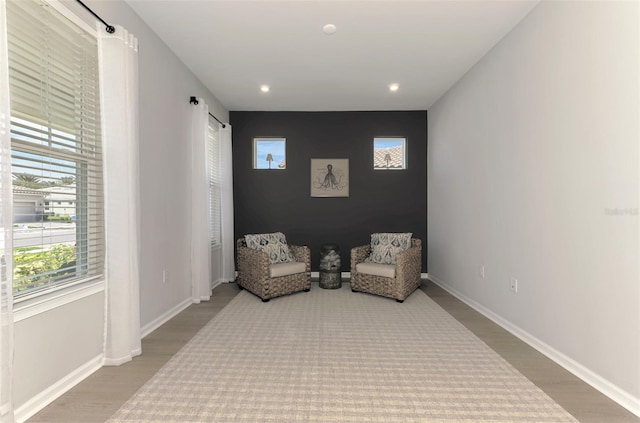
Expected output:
(330, 276)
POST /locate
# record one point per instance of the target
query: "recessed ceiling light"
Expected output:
(265, 88)
(329, 29)
(394, 87)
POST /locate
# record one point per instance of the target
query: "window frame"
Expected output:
(404, 144)
(255, 158)
(83, 283)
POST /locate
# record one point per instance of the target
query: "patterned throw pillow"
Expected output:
(274, 244)
(385, 246)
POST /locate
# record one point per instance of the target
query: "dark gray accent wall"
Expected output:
(379, 201)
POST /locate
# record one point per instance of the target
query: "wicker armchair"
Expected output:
(399, 280)
(254, 272)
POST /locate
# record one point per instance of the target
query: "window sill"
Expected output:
(25, 308)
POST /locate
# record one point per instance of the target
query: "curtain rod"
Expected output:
(109, 28)
(194, 100)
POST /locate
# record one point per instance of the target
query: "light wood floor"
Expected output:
(99, 396)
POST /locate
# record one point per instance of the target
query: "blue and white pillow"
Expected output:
(274, 244)
(385, 246)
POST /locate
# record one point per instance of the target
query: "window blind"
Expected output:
(213, 168)
(56, 152)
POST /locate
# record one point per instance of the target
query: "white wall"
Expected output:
(533, 173)
(51, 346)
(165, 126)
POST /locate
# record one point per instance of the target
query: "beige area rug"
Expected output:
(338, 356)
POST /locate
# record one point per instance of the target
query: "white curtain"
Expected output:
(200, 242)
(119, 96)
(6, 245)
(226, 194)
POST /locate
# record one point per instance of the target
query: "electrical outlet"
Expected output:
(481, 271)
(514, 285)
(165, 276)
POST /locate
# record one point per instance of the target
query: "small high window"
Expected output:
(389, 153)
(269, 153)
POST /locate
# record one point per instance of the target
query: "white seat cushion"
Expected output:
(376, 269)
(283, 269)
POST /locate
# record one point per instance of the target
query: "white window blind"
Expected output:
(55, 149)
(213, 169)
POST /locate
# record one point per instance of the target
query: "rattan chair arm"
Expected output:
(358, 255)
(253, 263)
(302, 254)
(408, 263)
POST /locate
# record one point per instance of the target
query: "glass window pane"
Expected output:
(389, 153)
(269, 153)
(45, 233)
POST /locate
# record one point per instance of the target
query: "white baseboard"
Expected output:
(164, 318)
(348, 275)
(342, 274)
(119, 361)
(46, 397)
(617, 394)
(214, 284)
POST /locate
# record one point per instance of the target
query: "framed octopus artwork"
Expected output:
(329, 177)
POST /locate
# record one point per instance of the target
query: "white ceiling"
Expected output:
(234, 46)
